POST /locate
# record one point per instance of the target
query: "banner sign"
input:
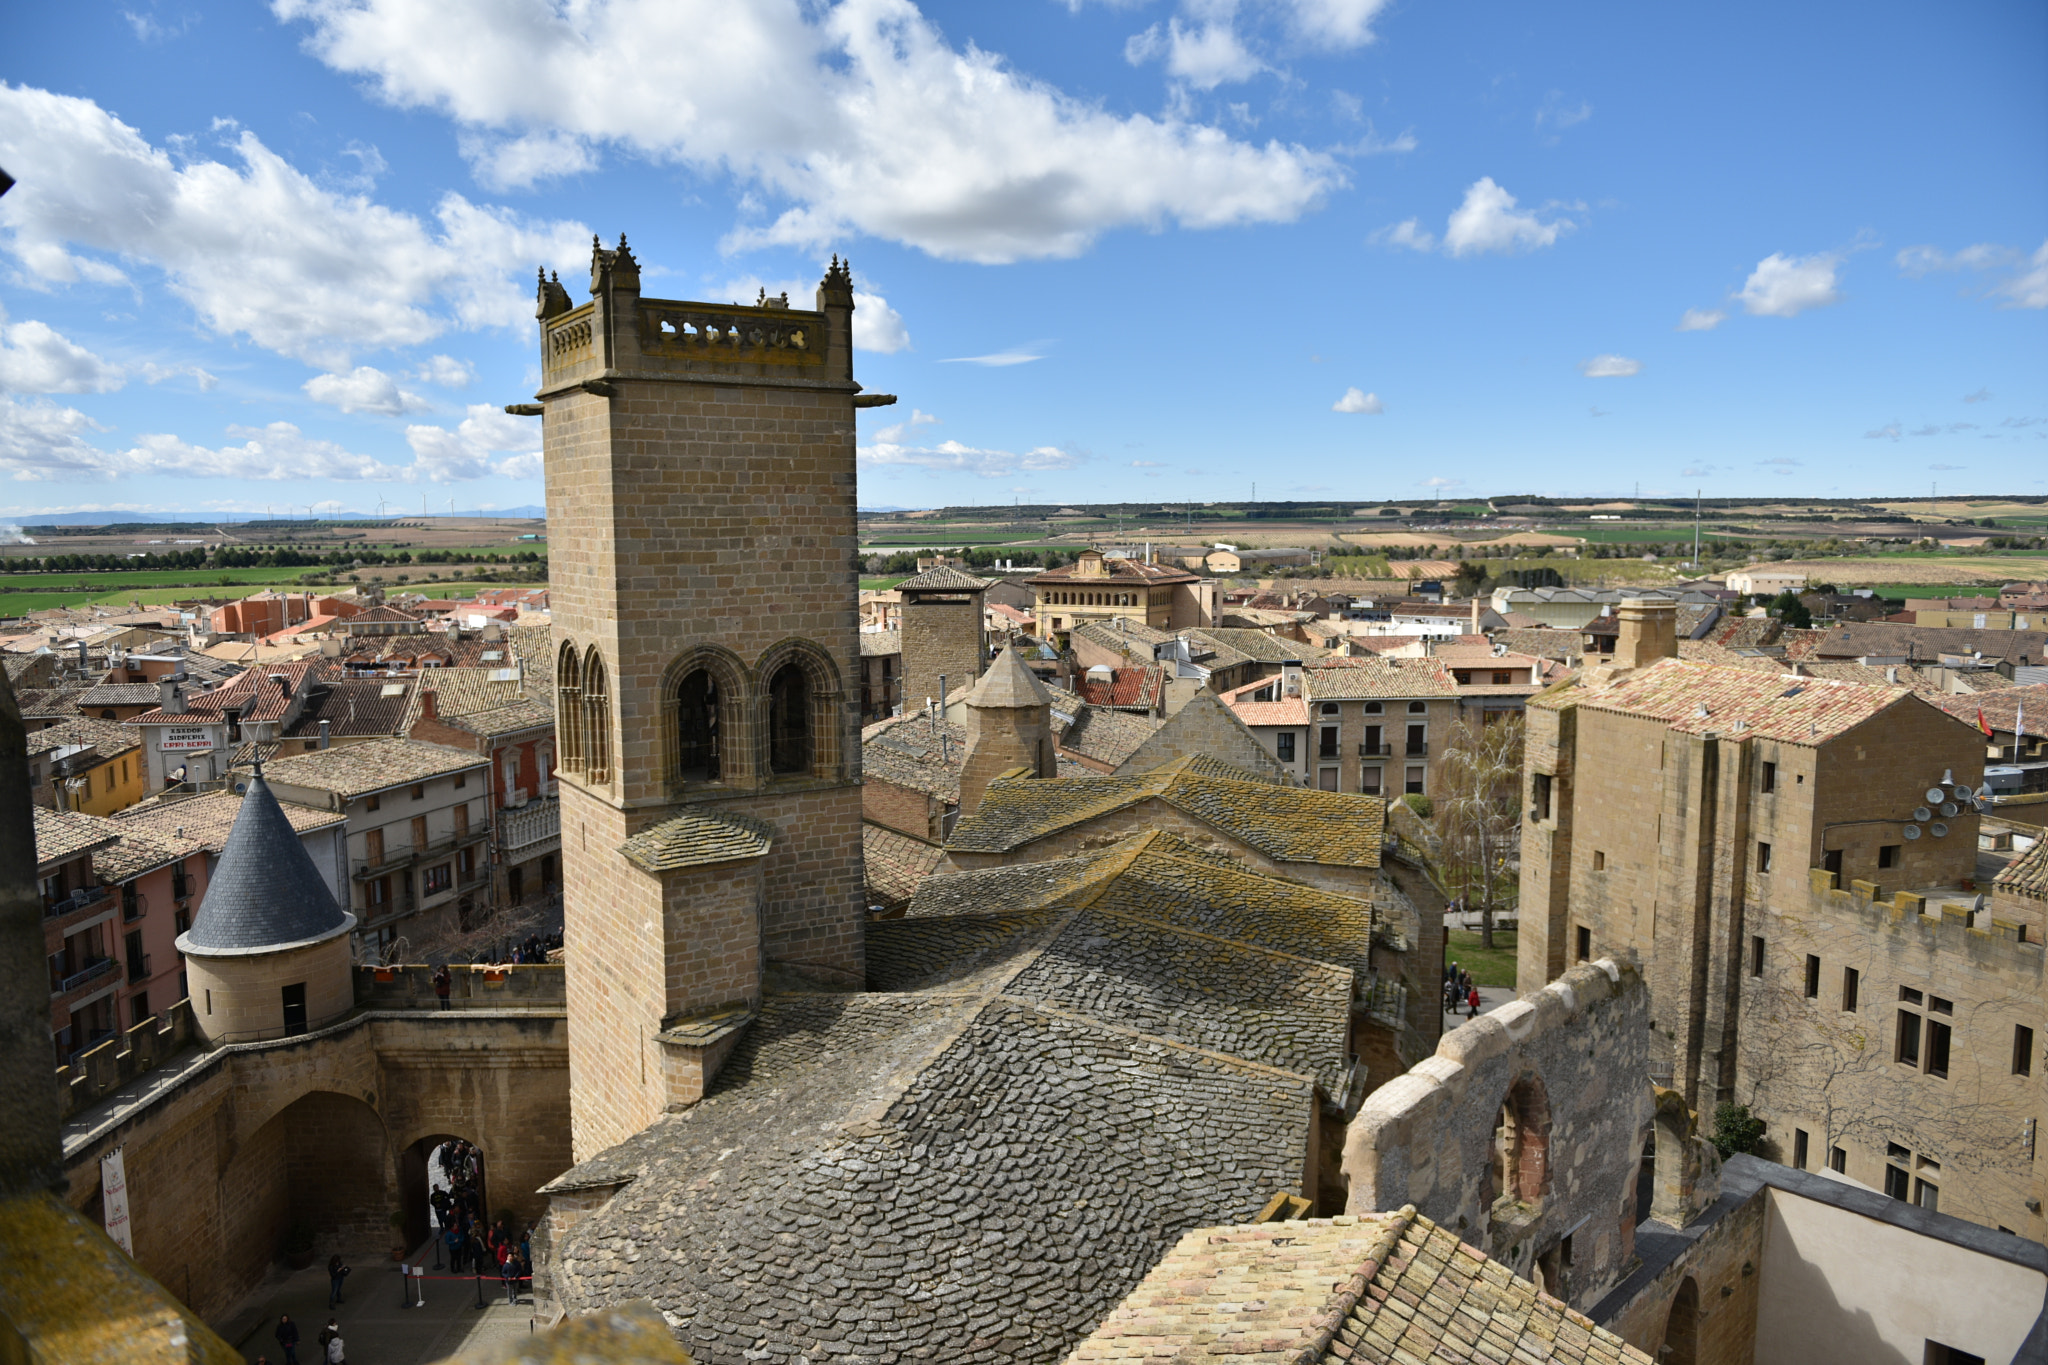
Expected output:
(184, 738)
(114, 1197)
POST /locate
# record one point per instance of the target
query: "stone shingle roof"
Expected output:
(880, 643)
(696, 838)
(2026, 875)
(1376, 678)
(523, 714)
(896, 863)
(1379, 1288)
(1107, 736)
(1290, 824)
(1928, 643)
(1123, 634)
(1692, 698)
(109, 737)
(62, 835)
(372, 766)
(209, 818)
(42, 703)
(905, 750)
(138, 852)
(1255, 644)
(265, 893)
(944, 578)
(981, 1161)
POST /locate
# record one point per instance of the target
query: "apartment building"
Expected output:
(1376, 726)
(467, 709)
(86, 764)
(419, 825)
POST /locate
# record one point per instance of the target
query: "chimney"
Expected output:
(1475, 611)
(170, 696)
(284, 684)
(326, 727)
(430, 706)
(1648, 632)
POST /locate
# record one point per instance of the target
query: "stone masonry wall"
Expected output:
(901, 808)
(941, 637)
(1571, 1064)
(1204, 726)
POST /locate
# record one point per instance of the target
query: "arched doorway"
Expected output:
(420, 1173)
(318, 1168)
(1682, 1328)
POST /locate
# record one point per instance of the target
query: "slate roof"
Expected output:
(1775, 706)
(896, 863)
(265, 893)
(1379, 1287)
(209, 818)
(62, 835)
(943, 578)
(697, 838)
(1286, 823)
(372, 766)
(1376, 678)
(979, 1161)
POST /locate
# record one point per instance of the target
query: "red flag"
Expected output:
(1981, 724)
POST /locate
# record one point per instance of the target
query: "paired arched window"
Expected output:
(789, 721)
(597, 720)
(569, 709)
(697, 737)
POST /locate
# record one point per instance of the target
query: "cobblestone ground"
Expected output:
(374, 1329)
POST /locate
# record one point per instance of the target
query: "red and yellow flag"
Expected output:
(1982, 724)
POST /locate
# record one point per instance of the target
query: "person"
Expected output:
(1472, 1004)
(453, 1239)
(287, 1335)
(442, 983)
(337, 1354)
(328, 1334)
(336, 1273)
(508, 1270)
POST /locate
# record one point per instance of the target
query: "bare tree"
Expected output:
(1478, 819)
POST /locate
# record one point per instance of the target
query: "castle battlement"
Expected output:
(1950, 927)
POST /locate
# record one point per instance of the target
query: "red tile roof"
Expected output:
(252, 692)
(1693, 698)
(1126, 687)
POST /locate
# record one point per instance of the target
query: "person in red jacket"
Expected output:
(1472, 1004)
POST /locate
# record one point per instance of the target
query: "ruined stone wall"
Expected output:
(1722, 1258)
(1570, 1064)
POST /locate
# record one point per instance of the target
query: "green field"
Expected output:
(1609, 533)
(881, 584)
(15, 602)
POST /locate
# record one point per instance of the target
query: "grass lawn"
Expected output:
(882, 584)
(1494, 967)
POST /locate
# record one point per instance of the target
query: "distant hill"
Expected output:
(30, 521)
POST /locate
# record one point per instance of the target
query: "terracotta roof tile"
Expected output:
(1693, 698)
(1125, 687)
(62, 835)
(374, 765)
(2002, 708)
(252, 692)
(109, 737)
(2026, 875)
(138, 852)
(207, 819)
(944, 577)
(1370, 679)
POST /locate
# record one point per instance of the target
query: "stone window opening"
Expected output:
(1767, 778)
(789, 721)
(697, 756)
(1756, 955)
(597, 719)
(1416, 708)
(2022, 1050)
(1682, 1328)
(1888, 855)
(1799, 1145)
(569, 709)
(1763, 857)
(1812, 977)
(1851, 981)
(1521, 1145)
(1585, 944)
(1838, 1161)
(1540, 796)
(1373, 708)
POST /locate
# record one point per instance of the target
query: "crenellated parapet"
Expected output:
(1968, 927)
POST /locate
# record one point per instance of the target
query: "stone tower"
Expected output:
(945, 633)
(1009, 725)
(700, 474)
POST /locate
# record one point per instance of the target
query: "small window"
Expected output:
(1927, 1196)
(1767, 778)
(1907, 1049)
(1938, 1036)
(1599, 861)
(419, 791)
(1763, 857)
(1327, 742)
(1896, 1183)
(1756, 955)
(1373, 708)
(1909, 995)
(1283, 746)
(461, 780)
(1540, 797)
(1838, 1161)
(373, 801)
(2022, 1050)
(1888, 855)
(1940, 1006)
(1411, 781)
(1851, 981)
(1812, 977)
(439, 878)
(1502, 679)
(1585, 943)
(1329, 708)
(1416, 708)
(1798, 1149)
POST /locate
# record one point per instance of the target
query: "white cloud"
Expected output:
(856, 116)
(45, 441)
(445, 371)
(1205, 55)
(36, 359)
(470, 451)
(1337, 24)
(1356, 401)
(2029, 289)
(1372, 144)
(156, 374)
(1409, 233)
(876, 326)
(1610, 367)
(1440, 481)
(1786, 286)
(1701, 320)
(1488, 221)
(1980, 396)
(1922, 260)
(952, 456)
(275, 452)
(894, 432)
(364, 389)
(1888, 432)
(1023, 355)
(257, 247)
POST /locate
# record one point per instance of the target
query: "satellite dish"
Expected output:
(1937, 829)
(1922, 813)
(1935, 796)
(1949, 808)
(1911, 831)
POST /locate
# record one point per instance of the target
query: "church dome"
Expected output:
(265, 894)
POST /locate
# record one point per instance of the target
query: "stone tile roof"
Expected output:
(1745, 632)
(2026, 875)
(1875, 675)
(964, 953)
(513, 717)
(466, 691)
(109, 737)
(1108, 737)
(43, 703)
(1380, 1287)
(264, 893)
(373, 765)
(252, 691)
(697, 838)
(1692, 698)
(62, 835)
(1542, 641)
(534, 646)
(1255, 644)
(1022, 884)
(1008, 684)
(944, 578)
(1926, 644)
(1377, 678)
(880, 643)
(1706, 652)
(905, 750)
(2002, 709)
(207, 819)
(896, 863)
(355, 708)
(1287, 823)
(1123, 634)
(138, 852)
(120, 694)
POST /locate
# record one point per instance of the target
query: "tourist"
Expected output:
(1472, 1003)
(336, 1273)
(287, 1334)
(508, 1270)
(328, 1334)
(442, 984)
(337, 1354)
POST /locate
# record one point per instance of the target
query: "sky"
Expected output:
(271, 256)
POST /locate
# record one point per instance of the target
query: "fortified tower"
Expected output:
(700, 475)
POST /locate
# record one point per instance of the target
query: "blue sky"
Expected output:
(268, 256)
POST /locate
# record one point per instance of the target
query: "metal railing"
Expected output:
(1416, 749)
(83, 975)
(1375, 751)
(76, 901)
(398, 858)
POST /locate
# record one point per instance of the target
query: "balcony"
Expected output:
(522, 829)
(90, 972)
(83, 898)
(1375, 751)
(399, 858)
(1416, 748)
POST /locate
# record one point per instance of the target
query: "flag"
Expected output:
(1982, 724)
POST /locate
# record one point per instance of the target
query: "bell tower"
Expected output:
(701, 498)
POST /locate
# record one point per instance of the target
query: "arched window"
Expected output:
(1373, 708)
(597, 720)
(789, 721)
(697, 728)
(569, 709)
(1416, 708)
(1521, 1144)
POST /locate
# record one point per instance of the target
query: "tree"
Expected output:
(1736, 1131)
(1478, 818)
(1787, 607)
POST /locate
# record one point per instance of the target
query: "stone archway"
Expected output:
(321, 1161)
(417, 1178)
(1682, 1327)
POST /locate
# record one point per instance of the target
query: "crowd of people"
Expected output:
(474, 1244)
(1460, 991)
